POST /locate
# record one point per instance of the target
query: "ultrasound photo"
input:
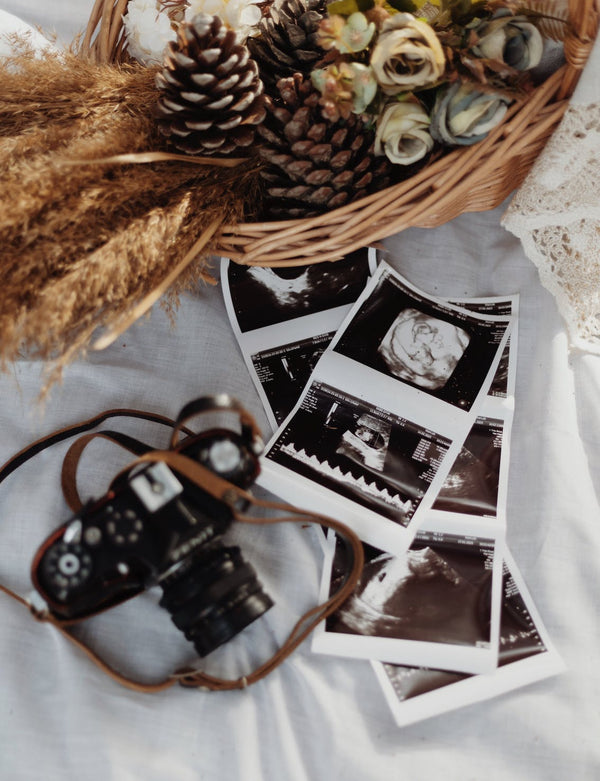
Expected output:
(439, 592)
(423, 350)
(263, 296)
(471, 486)
(378, 460)
(436, 349)
(368, 442)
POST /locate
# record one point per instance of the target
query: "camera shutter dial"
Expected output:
(66, 567)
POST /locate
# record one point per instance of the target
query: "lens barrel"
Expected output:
(213, 596)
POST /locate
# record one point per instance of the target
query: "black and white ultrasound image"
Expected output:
(499, 386)
(519, 639)
(376, 459)
(284, 371)
(263, 296)
(440, 352)
(471, 486)
(438, 592)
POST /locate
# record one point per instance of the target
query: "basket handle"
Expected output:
(104, 35)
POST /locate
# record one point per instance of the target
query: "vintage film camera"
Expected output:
(156, 527)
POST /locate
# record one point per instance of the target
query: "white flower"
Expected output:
(403, 133)
(147, 30)
(239, 15)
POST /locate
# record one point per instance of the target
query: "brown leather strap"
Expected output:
(73, 455)
(220, 489)
(9, 592)
(67, 432)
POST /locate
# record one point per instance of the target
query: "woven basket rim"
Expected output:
(475, 178)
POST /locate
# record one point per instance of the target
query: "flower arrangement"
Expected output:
(445, 79)
(346, 98)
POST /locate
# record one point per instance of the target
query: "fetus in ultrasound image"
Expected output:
(421, 596)
(368, 442)
(422, 349)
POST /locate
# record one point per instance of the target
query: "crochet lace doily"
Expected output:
(556, 214)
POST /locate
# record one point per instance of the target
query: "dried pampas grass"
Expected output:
(87, 244)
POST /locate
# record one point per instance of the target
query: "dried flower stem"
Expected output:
(83, 244)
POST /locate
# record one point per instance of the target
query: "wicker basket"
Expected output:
(475, 178)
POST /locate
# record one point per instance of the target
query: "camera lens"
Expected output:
(213, 596)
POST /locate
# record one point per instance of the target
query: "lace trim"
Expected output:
(556, 214)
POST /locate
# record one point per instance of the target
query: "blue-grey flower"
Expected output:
(513, 40)
(463, 114)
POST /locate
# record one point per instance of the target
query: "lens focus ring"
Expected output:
(213, 597)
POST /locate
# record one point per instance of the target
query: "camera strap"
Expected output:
(236, 498)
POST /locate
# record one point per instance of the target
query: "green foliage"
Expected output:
(347, 7)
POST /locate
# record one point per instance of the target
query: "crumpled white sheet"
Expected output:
(11, 25)
(317, 717)
(556, 212)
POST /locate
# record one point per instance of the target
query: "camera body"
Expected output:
(157, 527)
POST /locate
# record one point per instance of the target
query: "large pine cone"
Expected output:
(287, 40)
(211, 95)
(314, 165)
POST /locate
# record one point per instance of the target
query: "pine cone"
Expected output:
(315, 165)
(286, 43)
(211, 95)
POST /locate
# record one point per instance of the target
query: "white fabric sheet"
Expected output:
(317, 717)
(556, 212)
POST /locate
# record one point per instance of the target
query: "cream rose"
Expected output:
(403, 133)
(407, 54)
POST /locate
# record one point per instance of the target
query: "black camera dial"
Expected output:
(227, 456)
(224, 456)
(66, 566)
(123, 526)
